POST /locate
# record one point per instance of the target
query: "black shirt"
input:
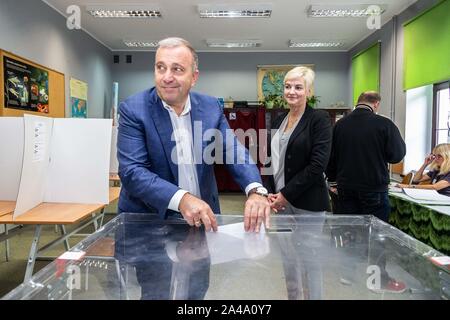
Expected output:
(363, 144)
(435, 177)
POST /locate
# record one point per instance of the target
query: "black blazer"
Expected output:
(306, 159)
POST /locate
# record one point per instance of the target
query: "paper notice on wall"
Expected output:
(78, 98)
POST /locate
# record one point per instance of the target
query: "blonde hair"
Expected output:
(442, 149)
(301, 72)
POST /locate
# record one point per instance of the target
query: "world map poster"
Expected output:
(270, 79)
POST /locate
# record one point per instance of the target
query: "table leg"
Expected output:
(33, 253)
(102, 215)
(66, 241)
(7, 243)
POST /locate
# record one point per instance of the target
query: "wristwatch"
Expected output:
(259, 190)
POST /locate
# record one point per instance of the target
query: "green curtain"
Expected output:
(366, 71)
(427, 47)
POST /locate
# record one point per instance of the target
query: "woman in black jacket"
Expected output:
(300, 150)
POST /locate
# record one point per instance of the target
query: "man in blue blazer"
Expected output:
(163, 155)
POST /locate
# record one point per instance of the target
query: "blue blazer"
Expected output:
(149, 178)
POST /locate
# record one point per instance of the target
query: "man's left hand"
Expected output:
(257, 211)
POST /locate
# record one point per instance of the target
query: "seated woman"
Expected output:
(438, 178)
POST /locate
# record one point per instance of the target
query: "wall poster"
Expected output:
(26, 86)
(78, 98)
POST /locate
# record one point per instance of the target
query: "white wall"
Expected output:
(234, 74)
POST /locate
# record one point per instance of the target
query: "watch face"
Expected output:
(261, 190)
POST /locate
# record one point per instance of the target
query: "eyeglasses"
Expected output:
(438, 156)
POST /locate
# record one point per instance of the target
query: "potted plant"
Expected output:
(274, 101)
(312, 101)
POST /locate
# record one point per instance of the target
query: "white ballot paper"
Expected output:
(231, 243)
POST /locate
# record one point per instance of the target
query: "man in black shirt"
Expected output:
(363, 145)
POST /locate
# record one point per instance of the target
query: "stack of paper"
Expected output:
(429, 195)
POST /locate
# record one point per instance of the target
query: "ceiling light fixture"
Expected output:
(235, 11)
(140, 44)
(315, 44)
(124, 11)
(217, 43)
(345, 11)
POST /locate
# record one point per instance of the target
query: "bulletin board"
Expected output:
(54, 91)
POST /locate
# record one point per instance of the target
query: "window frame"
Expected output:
(437, 87)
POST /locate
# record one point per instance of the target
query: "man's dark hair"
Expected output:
(369, 97)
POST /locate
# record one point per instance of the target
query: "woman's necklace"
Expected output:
(292, 120)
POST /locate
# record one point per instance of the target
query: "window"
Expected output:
(441, 113)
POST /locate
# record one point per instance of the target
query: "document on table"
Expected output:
(393, 187)
(429, 195)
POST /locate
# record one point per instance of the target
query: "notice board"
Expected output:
(27, 87)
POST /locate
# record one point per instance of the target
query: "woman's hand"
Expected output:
(277, 202)
(429, 159)
(400, 185)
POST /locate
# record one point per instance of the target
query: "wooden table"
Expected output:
(56, 214)
(6, 207)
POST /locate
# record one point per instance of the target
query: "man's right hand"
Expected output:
(196, 211)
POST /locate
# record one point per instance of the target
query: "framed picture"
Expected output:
(270, 79)
(26, 86)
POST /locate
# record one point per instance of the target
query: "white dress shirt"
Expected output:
(184, 156)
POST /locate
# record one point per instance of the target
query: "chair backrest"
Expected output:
(408, 179)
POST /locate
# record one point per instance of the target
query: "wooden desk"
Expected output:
(6, 207)
(57, 214)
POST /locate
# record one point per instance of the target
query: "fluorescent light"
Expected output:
(124, 11)
(235, 11)
(314, 44)
(218, 43)
(345, 11)
(140, 44)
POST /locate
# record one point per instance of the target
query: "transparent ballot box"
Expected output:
(139, 256)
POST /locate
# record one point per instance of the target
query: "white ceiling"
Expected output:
(180, 18)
